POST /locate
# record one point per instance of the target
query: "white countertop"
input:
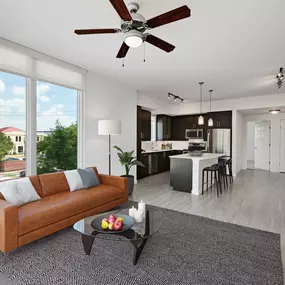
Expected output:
(205, 156)
(159, 150)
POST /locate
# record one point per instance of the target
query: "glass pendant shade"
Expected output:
(201, 120)
(210, 122)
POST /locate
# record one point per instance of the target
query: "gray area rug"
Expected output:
(188, 249)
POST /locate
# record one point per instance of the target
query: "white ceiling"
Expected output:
(260, 111)
(236, 47)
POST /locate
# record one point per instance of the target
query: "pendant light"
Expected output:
(201, 118)
(210, 121)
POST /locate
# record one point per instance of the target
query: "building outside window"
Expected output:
(12, 125)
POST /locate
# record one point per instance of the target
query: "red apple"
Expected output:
(118, 225)
(112, 218)
(105, 219)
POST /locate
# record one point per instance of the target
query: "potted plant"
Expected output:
(128, 161)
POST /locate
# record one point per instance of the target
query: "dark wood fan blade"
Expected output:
(123, 51)
(96, 31)
(169, 17)
(159, 43)
(121, 9)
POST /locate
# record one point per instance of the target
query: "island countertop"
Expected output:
(205, 156)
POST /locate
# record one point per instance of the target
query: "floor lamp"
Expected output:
(108, 128)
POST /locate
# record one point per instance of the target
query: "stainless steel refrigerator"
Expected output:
(219, 141)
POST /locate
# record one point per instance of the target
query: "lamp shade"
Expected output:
(109, 127)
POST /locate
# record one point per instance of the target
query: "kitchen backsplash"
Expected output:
(177, 145)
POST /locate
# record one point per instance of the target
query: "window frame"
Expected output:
(30, 139)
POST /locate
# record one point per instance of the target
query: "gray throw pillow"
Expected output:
(88, 177)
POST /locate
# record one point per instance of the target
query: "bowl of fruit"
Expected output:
(112, 224)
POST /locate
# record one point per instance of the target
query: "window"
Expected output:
(57, 128)
(12, 120)
(20, 138)
(153, 128)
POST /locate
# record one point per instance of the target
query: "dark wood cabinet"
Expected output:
(178, 128)
(145, 118)
(143, 171)
(155, 162)
(163, 127)
(222, 120)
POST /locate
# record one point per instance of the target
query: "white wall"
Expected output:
(250, 141)
(108, 99)
(238, 138)
(275, 136)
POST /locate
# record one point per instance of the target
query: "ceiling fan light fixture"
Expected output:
(274, 111)
(133, 38)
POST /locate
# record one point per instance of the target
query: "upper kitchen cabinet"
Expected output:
(222, 120)
(177, 128)
(191, 122)
(163, 128)
(143, 124)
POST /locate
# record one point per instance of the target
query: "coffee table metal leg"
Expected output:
(87, 243)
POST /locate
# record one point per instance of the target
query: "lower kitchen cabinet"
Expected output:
(155, 162)
(143, 171)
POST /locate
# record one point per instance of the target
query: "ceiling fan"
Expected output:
(134, 25)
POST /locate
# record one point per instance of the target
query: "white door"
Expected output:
(262, 145)
(282, 146)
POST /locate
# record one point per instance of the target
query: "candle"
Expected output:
(138, 216)
(141, 207)
(132, 212)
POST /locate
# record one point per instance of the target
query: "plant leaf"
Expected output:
(119, 149)
(138, 163)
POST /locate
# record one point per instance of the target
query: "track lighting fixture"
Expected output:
(175, 98)
(280, 77)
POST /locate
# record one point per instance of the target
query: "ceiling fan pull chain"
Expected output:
(123, 65)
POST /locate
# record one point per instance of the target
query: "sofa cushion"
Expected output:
(19, 191)
(35, 182)
(73, 179)
(54, 208)
(88, 177)
(53, 183)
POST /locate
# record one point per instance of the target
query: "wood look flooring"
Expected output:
(256, 200)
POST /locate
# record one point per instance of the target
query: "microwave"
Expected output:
(194, 134)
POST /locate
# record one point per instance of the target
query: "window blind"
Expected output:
(29, 63)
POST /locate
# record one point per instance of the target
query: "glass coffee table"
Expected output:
(136, 235)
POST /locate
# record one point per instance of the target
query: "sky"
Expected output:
(53, 102)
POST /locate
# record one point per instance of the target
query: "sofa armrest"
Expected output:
(8, 226)
(116, 181)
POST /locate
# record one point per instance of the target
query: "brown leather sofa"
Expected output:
(58, 208)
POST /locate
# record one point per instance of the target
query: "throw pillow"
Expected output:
(73, 179)
(19, 192)
(88, 177)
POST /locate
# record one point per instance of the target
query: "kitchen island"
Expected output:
(186, 171)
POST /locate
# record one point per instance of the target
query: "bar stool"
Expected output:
(228, 169)
(223, 172)
(229, 164)
(214, 170)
